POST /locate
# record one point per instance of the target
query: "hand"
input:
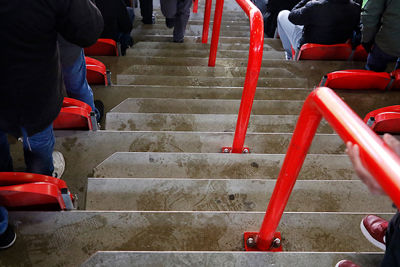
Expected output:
(354, 154)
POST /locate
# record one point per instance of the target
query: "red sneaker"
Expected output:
(346, 263)
(374, 229)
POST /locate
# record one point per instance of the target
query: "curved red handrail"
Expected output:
(376, 156)
(253, 65)
(206, 21)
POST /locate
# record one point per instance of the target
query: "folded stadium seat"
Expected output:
(324, 52)
(384, 120)
(96, 72)
(29, 191)
(103, 47)
(357, 80)
(75, 115)
(396, 79)
(359, 54)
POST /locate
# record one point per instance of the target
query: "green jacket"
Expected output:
(380, 20)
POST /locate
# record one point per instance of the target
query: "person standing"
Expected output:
(177, 13)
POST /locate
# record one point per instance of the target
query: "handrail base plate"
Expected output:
(253, 235)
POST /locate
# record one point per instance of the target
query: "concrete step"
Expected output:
(200, 53)
(206, 106)
(192, 27)
(190, 31)
(219, 166)
(204, 71)
(70, 238)
(200, 46)
(234, 259)
(202, 123)
(206, 81)
(190, 38)
(114, 95)
(228, 195)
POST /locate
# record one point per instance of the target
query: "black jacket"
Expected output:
(116, 18)
(31, 84)
(273, 8)
(326, 21)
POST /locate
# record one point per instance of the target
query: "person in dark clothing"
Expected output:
(146, 10)
(117, 23)
(318, 21)
(31, 91)
(272, 9)
(177, 13)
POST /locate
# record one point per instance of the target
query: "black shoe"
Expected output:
(178, 41)
(100, 107)
(7, 239)
(149, 21)
(170, 22)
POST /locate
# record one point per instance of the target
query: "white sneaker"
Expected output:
(59, 164)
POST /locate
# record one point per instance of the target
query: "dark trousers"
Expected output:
(392, 253)
(178, 10)
(378, 60)
(146, 10)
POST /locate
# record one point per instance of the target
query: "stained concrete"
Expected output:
(202, 123)
(232, 259)
(159, 194)
(70, 238)
(219, 166)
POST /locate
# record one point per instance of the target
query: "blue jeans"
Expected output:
(289, 33)
(378, 60)
(38, 150)
(3, 220)
(76, 84)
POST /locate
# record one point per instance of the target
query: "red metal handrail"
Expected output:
(195, 6)
(377, 157)
(253, 65)
(206, 21)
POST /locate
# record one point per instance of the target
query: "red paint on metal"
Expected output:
(377, 157)
(195, 6)
(206, 22)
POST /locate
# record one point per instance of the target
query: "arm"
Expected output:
(371, 19)
(79, 22)
(361, 171)
(302, 12)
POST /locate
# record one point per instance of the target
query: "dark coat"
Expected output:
(116, 18)
(273, 8)
(326, 21)
(31, 84)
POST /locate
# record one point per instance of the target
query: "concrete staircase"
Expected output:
(156, 191)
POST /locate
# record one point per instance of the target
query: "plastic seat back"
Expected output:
(96, 72)
(384, 120)
(357, 80)
(396, 76)
(28, 191)
(103, 47)
(360, 54)
(324, 52)
(74, 115)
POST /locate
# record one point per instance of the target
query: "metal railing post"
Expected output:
(195, 6)
(206, 21)
(219, 6)
(380, 161)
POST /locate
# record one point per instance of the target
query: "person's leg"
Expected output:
(169, 8)
(76, 84)
(378, 60)
(7, 234)
(392, 252)
(131, 13)
(146, 10)
(38, 150)
(289, 33)
(6, 164)
(181, 19)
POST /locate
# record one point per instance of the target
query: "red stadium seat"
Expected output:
(384, 120)
(103, 47)
(324, 52)
(34, 191)
(75, 115)
(96, 72)
(360, 54)
(357, 80)
(396, 79)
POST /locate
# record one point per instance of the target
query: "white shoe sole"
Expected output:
(370, 238)
(59, 164)
(12, 242)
